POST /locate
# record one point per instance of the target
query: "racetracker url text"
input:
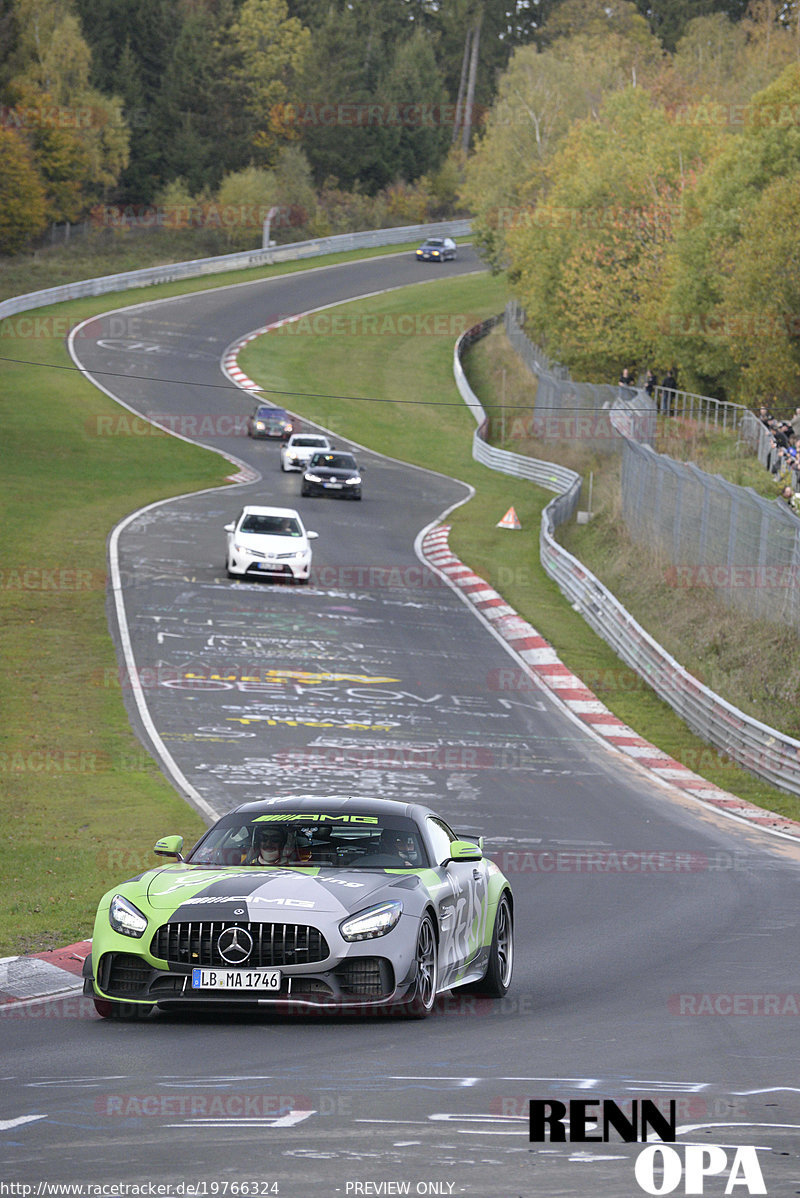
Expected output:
(144, 1189)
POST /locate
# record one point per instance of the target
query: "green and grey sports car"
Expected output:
(307, 904)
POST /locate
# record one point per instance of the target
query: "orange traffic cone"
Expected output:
(510, 520)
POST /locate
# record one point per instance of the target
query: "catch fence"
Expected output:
(764, 751)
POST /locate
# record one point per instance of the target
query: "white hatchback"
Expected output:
(269, 541)
(300, 448)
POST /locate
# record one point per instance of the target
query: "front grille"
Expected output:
(124, 973)
(366, 977)
(274, 944)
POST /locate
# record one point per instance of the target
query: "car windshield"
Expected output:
(270, 414)
(309, 442)
(435, 243)
(316, 839)
(334, 461)
(271, 526)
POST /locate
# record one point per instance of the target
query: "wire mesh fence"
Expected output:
(764, 751)
(710, 532)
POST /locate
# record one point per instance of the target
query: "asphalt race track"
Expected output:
(632, 902)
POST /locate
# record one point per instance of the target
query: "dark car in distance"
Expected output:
(436, 249)
(332, 473)
(267, 421)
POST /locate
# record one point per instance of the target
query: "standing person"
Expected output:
(795, 422)
(626, 378)
(650, 383)
(669, 383)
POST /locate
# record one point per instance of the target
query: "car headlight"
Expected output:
(260, 425)
(353, 482)
(313, 478)
(126, 918)
(375, 921)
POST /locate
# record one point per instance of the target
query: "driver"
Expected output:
(395, 844)
(270, 845)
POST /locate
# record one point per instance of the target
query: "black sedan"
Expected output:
(436, 249)
(332, 473)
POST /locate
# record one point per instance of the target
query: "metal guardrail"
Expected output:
(294, 251)
(711, 413)
(763, 751)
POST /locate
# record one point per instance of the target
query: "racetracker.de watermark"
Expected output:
(613, 861)
(731, 324)
(355, 114)
(783, 1005)
(733, 577)
(204, 425)
(450, 325)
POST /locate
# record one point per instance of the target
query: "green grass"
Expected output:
(83, 802)
(400, 369)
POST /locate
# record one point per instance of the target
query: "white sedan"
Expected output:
(300, 448)
(269, 541)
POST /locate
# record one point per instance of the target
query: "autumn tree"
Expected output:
(587, 262)
(23, 209)
(710, 237)
(539, 98)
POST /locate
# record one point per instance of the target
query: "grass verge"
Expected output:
(401, 371)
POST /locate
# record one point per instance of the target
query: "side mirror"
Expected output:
(230, 527)
(312, 536)
(169, 846)
(464, 850)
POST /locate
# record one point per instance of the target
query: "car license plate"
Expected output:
(333, 485)
(236, 979)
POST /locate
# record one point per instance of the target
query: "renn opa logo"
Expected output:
(659, 1169)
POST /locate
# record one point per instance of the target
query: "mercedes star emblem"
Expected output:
(235, 945)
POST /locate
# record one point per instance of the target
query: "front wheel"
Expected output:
(427, 962)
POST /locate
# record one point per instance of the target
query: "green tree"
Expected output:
(272, 48)
(23, 211)
(761, 297)
(588, 265)
(77, 135)
(538, 99)
(765, 149)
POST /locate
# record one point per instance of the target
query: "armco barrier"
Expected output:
(761, 750)
(295, 251)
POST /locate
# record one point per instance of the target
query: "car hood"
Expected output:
(264, 543)
(197, 892)
(330, 472)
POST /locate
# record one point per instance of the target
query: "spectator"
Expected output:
(669, 383)
(650, 383)
(626, 378)
(792, 498)
(764, 415)
(796, 422)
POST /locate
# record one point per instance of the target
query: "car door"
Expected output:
(462, 902)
